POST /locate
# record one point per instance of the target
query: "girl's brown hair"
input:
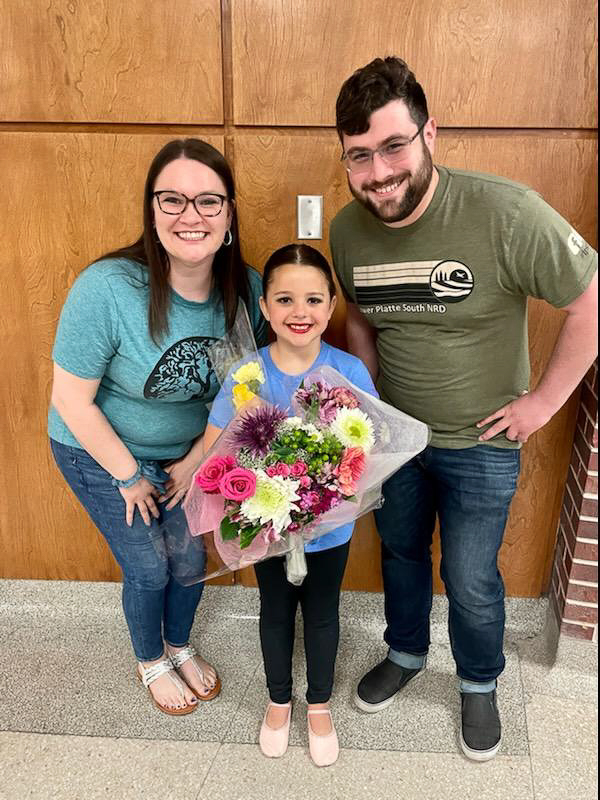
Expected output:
(302, 254)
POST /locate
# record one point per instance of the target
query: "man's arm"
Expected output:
(361, 339)
(574, 352)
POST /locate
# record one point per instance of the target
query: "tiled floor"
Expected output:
(75, 723)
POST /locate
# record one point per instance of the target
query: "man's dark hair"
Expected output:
(374, 86)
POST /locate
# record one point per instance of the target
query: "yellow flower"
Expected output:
(241, 396)
(249, 372)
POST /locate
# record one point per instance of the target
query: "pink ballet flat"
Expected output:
(324, 749)
(273, 742)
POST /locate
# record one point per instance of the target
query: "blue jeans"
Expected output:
(155, 604)
(470, 490)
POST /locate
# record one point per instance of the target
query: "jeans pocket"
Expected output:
(483, 469)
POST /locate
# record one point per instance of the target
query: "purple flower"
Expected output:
(308, 500)
(316, 392)
(256, 429)
(329, 500)
(324, 475)
(327, 411)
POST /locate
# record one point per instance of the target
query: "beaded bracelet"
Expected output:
(127, 484)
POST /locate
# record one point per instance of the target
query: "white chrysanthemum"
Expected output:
(353, 428)
(272, 501)
(249, 372)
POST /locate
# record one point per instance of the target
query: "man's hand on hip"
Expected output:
(518, 419)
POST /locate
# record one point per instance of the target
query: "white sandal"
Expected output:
(147, 675)
(187, 653)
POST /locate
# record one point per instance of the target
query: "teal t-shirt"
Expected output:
(154, 396)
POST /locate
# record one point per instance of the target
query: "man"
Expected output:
(437, 265)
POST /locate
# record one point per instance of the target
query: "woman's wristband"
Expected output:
(127, 484)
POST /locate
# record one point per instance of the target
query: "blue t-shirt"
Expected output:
(154, 396)
(281, 388)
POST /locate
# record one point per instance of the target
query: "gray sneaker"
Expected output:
(380, 685)
(480, 731)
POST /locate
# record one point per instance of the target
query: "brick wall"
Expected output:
(574, 586)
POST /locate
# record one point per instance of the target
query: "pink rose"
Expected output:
(212, 471)
(238, 484)
(305, 481)
(298, 469)
(271, 471)
(284, 470)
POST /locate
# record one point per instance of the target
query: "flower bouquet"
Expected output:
(271, 481)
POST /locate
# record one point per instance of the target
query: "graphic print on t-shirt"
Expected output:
(183, 369)
(412, 282)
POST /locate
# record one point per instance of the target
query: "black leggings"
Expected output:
(319, 596)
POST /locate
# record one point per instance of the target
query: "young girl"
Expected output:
(298, 301)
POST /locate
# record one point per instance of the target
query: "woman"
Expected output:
(131, 385)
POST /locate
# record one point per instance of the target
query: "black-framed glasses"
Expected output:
(393, 152)
(207, 204)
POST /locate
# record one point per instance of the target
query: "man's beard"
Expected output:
(397, 210)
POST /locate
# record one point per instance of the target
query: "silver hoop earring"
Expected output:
(228, 238)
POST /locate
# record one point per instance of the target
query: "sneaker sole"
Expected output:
(373, 708)
(478, 755)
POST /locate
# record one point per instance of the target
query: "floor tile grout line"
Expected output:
(237, 708)
(525, 696)
(432, 753)
(210, 766)
(455, 752)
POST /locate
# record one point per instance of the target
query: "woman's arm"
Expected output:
(181, 472)
(73, 398)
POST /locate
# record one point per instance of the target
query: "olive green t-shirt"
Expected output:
(448, 296)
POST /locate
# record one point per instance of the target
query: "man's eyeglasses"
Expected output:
(207, 204)
(393, 152)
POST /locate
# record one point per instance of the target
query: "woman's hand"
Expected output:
(180, 477)
(141, 496)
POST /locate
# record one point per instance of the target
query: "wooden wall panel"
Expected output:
(70, 197)
(509, 63)
(562, 167)
(106, 61)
